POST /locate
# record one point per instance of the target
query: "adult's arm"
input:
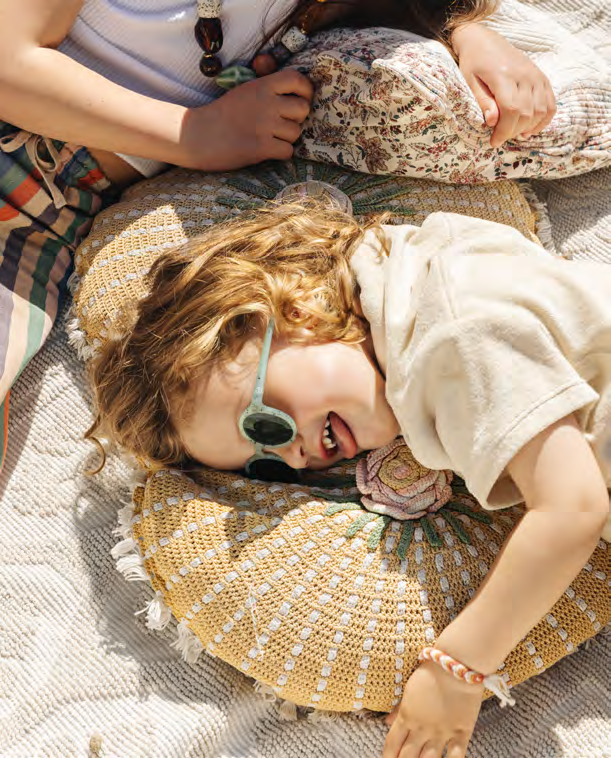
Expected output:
(46, 92)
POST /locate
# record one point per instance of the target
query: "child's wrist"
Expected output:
(461, 35)
(202, 144)
(465, 645)
(459, 672)
(454, 668)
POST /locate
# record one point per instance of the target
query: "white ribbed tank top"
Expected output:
(149, 47)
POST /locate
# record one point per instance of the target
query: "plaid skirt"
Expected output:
(50, 192)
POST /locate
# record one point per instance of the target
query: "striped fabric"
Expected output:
(49, 195)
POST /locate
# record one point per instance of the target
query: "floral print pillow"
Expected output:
(390, 102)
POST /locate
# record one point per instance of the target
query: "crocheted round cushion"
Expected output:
(326, 602)
(325, 591)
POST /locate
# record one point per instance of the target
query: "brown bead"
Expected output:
(209, 35)
(264, 64)
(210, 65)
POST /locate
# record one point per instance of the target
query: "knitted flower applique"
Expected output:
(395, 487)
(394, 484)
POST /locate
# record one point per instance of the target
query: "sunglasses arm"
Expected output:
(257, 397)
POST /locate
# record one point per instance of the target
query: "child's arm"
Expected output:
(46, 92)
(568, 505)
(515, 96)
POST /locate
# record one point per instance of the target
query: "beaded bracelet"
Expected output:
(492, 682)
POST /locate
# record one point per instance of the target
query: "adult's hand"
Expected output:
(515, 96)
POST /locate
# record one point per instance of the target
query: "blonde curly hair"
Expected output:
(206, 299)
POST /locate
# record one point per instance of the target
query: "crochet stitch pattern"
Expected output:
(268, 579)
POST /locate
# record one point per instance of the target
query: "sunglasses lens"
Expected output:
(267, 430)
(271, 470)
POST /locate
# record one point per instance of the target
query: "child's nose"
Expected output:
(294, 454)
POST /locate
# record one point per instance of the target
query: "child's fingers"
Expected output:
(507, 100)
(485, 100)
(526, 109)
(294, 108)
(280, 150)
(456, 749)
(430, 750)
(492, 115)
(390, 719)
(291, 82)
(287, 130)
(395, 739)
(545, 109)
(414, 748)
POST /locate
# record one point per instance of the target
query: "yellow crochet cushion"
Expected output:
(327, 590)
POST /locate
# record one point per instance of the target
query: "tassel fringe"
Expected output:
(287, 711)
(266, 692)
(126, 553)
(187, 643)
(158, 614)
(321, 717)
(125, 516)
(74, 282)
(125, 547)
(132, 568)
(78, 340)
(543, 226)
(497, 685)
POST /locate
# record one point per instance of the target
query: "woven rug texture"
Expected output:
(81, 675)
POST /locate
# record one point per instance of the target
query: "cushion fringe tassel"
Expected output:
(498, 686)
(187, 643)
(132, 567)
(73, 284)
(543, 226)
(287, 711)
(127, 553)
(158, 614)
(321, 717)
(130, 563)
(78, 340)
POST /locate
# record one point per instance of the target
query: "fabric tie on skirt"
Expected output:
(50, 192)
(46, 166)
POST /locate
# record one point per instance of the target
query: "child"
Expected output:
(124, 80)
(491, 357)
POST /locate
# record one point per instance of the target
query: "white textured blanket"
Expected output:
(81, 676)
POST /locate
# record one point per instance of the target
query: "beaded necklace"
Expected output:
(209, 36)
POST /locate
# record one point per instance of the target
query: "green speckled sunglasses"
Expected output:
(267, 427)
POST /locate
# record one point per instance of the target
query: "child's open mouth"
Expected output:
(337, 438)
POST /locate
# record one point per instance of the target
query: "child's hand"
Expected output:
(437, 710)
(256, 121)
(515, 96)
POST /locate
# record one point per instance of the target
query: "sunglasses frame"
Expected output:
(257, 406)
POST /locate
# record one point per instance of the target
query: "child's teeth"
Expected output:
(327, 442)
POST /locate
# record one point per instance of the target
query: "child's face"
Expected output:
(308, 382)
